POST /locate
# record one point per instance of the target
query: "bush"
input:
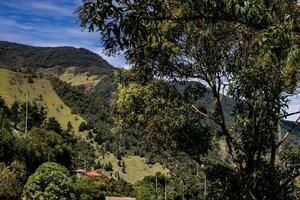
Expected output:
(97, 188)
(12, 180)
(30, 79)
(108, 167)
(50, 181)
(90, 135)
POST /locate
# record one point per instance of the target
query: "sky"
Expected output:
(52, 23)
(48, 23)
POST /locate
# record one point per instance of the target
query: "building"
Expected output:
(119, 198)
(82, 172)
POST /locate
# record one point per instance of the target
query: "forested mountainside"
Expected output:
(121, 155)
(14, 56)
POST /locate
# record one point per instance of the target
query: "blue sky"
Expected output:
(48, 23)
(52, 23)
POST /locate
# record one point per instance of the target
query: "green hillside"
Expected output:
(87, 71)
(77, 79)
(136, 168)
(13, 87)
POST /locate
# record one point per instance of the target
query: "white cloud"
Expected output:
(42, 7)
(13, 24)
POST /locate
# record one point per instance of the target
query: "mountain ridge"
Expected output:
(16, 56)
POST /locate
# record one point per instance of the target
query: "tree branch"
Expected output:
(199, 111)
(291, 178)
(287, 134)
(289, 114)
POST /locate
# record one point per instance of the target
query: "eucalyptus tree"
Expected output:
(247, 50)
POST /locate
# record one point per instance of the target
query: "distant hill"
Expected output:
(13, 55)
(13, 87)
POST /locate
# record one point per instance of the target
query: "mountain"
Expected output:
(73, 85)
(13, 55)
(76, 85)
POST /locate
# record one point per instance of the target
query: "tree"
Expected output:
(36, 115)
(49, 181)
(53, 125)
(40, 146)
(12, 180)
(84, 126)
(83, 155)
(151, 187)
(248, 50)
(7, 145)
(99, 187)
(4, 114)
(69, 127)
(108, 166)
(123, 167)
(14, 116)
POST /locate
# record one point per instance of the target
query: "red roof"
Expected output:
(93, 174)
(119, 198)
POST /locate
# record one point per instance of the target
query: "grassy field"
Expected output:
(74, 79)
(13, 87)
(136, 167)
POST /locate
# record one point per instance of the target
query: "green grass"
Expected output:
(13, 87)
(136, 167)
(74, 79)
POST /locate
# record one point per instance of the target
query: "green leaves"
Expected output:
(160, 110)
(249, 45)
(50, 181)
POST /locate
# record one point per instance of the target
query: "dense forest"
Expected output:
(16, 56)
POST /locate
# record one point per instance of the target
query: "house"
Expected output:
(79, 172)
(93, 174)
(119, 198)
(82, 172)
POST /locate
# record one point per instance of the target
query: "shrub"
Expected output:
(50, 181)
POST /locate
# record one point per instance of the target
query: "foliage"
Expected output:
(98, 187)
(4, 113)
(50, 181)
(84, 126)
(7, 145)
(83, 155)
(53, 125)
(36, 115)
(248, 50)
(91, 106)
(13, 89)
(12, 180)
(161, 108)
(108, 166)
(40, 145)
(19, 56)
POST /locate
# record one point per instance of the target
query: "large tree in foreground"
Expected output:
(248, 50)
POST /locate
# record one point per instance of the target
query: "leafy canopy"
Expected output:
(248, 50)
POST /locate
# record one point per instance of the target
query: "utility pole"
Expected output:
(156, 195)
(197, 173)
(205, 187)
(26, 115)
(205, 182)
(182, 188)
(165, 188)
